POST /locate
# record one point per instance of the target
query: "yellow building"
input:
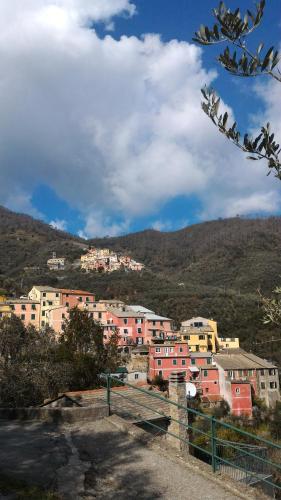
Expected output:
(5, 309)
(48, 297)
(201, 334)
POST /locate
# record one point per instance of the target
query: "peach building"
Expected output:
(27, 310)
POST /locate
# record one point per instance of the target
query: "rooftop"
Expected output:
(125, 314)
(200, 354)
(239, 360)
(141, 309)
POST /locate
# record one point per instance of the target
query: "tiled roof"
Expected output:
(79, 292)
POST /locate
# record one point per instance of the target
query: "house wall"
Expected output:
(268, 387)
(241, 399)
(165, 359)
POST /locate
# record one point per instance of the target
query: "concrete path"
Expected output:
(98, 461)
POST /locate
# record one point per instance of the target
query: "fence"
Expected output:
(244, 456)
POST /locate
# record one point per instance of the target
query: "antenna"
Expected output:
(190, 390)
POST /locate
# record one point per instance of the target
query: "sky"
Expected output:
(101, 129)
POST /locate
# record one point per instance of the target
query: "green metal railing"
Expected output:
(244, 456)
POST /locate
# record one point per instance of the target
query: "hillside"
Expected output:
(212, 269)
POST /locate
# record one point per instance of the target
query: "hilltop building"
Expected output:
(56, 263)
(104, 260)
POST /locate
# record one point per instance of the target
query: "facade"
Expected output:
(167, 358)
(27, 310)
(228, 343)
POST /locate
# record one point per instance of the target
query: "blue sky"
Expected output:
(108, 178)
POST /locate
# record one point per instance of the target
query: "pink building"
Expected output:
(27, 310)
(167, 358)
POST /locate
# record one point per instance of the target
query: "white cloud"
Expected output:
(113, 126)
(60, 224)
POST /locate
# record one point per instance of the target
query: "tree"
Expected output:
(233, 28)
(82, 344)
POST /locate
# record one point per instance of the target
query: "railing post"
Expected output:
(214, 444)
(108, 380)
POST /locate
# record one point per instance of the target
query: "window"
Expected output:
(197, 348)
(125, 321)
(57, 294)
(22, 317)
(201, 337)
(262, 373)
(99, 315)
(33, 307)
(33, 316)
(198, 324)
(209, 361)
(154, 323)
(237, 390)
(273, 385)
(181, 349)
(63, 316)
(44, 294)
(186, 337)
(43, 313)
(262, 385)
(240, 373)
(183, 362)
(175, 362)
(160, 373)
(230, 373)
(91, 315)
(136, 376)
(205, 373)
(271, 372)
(87, 299)
(23, 307)
(154, 333)
(126, 331)
(42, 323)
(210, 336)
(80, 299)
(245, 373)
(50, 302)
(250, 373)
(161, 323)
(158, 349)
(44, 303)
(193, 361)
(67, 304)
(207, 390)
(12, 307)
(139, 330)
(159, 362)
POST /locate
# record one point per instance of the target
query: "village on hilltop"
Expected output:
(101, 260)
(152, 348)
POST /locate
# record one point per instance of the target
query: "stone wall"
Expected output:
(55, 415)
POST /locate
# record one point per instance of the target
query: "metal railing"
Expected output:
(244, 456)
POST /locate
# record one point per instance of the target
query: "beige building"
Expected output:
(48, 297)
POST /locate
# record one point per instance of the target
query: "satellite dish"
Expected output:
(190, 390)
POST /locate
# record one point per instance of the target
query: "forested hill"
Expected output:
(212, 269)
(244, 254)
